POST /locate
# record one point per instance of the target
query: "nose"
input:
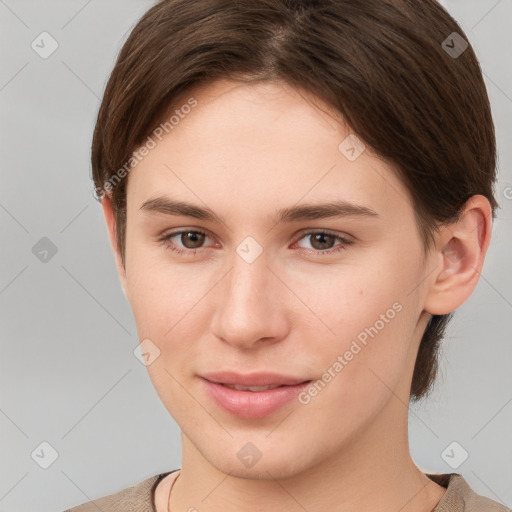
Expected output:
(251, 305)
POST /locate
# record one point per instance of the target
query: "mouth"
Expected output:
(252, 396)
(251, 388)
(253, 381)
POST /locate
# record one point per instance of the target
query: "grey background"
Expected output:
(68, 375)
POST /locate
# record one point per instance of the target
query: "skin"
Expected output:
(245, 151)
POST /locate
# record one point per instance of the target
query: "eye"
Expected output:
(190, 238)
(322, 240)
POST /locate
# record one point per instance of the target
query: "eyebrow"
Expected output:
(285, 215)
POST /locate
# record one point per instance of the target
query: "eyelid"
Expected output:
(167, 235)
(313, 231)
(300, 234)
(343, 238)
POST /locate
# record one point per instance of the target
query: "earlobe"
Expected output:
(108, 212)
(461, 249)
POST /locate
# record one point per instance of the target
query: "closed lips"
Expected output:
(257, 381)
(252, 396)
(267, 387)
(251, 388)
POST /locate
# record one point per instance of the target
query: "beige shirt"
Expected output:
(459, 497)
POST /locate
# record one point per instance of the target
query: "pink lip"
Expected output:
(252, 379)
(253, 404)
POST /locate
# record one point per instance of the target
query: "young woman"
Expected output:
(298, 195)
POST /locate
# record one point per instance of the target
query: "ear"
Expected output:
(459, 255)
(108, 212)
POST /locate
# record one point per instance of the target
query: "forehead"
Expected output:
(262, 143)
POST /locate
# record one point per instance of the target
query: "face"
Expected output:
(336, 300)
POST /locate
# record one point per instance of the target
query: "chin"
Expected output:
(275, 462)
(263, 470)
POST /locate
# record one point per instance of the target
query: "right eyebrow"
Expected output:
(170, 207)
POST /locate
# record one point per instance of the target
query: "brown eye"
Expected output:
(192, 239)
(184, 242)
(322, 241)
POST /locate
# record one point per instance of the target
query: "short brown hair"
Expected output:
(384, 65)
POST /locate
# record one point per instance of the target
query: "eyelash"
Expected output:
(191, 252)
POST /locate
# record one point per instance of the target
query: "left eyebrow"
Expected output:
(285, 215)
(323, 211)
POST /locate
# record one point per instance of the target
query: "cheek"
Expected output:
(371, 316)
(359, 372)
(343, 300)
(161, 292)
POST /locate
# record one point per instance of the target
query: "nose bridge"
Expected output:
(249, 276)
(246, 311)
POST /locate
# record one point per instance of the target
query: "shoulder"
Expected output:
(137, 498)
(460, 497)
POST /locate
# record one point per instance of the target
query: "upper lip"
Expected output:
(253, 379)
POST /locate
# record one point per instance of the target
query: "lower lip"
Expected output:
(252, 404)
